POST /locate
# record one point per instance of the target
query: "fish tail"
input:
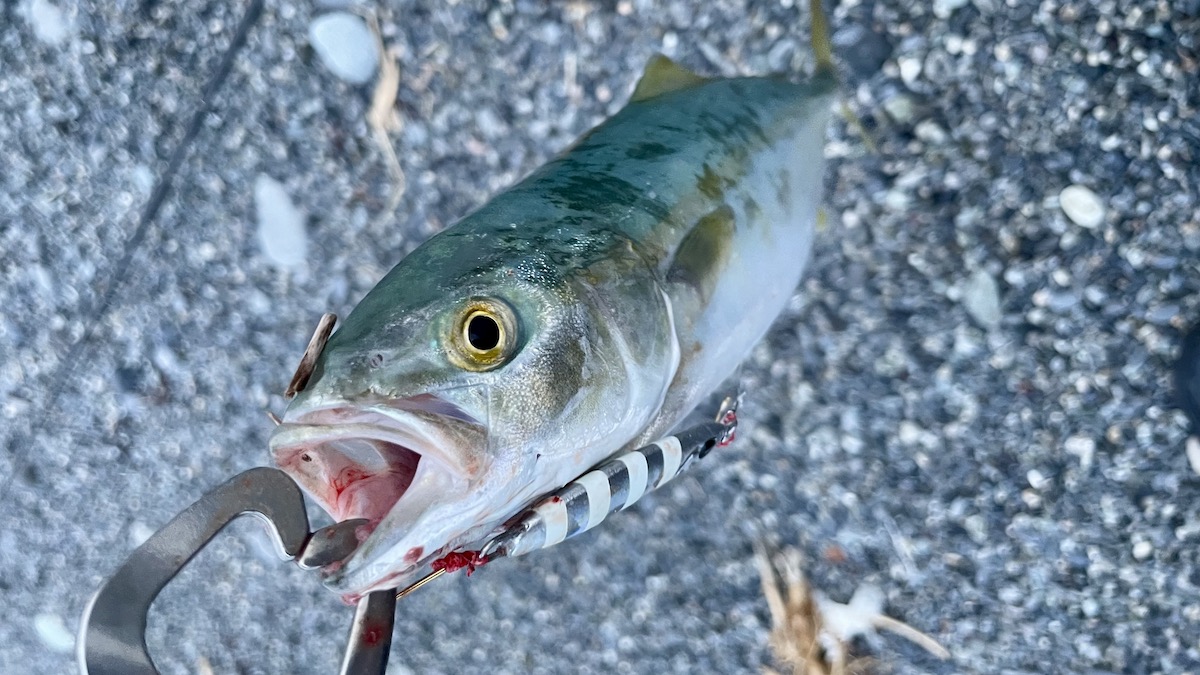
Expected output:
(821, 45)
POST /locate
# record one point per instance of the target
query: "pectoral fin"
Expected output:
(704, 252)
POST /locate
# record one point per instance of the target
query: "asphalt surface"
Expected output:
(1012, 478)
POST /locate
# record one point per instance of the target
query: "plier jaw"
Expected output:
(113, 634)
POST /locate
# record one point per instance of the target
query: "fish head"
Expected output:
(443, 405)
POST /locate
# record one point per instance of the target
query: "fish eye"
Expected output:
(484, 335)
(483, 332)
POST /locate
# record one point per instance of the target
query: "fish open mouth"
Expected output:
(359, 460)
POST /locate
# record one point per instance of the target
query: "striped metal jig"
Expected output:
(614, 485)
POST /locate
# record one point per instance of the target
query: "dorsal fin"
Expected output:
(663, 75)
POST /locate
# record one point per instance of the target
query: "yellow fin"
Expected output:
(704, 251)
(821, 45)
(662, 75)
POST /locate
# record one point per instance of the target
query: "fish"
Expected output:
(582, 312)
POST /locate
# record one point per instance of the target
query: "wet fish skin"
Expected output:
(640, 266)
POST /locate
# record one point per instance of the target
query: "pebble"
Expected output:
(1142, 550)
(1082, 206)
(900, 108)
(942, 9)
(139, 532)
(53, 633)
(910, 69)
(1082, 447)
(345, 45)
(981, 299)
(49, 23)
(280, 224)
(861, 49)
(930, 132)
(909, 433)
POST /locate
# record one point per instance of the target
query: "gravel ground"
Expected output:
(967, 405)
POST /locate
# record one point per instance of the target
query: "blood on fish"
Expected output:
(453, 562)
(348, 477)
(372, 635)
(363, 531)
(414, 554)
(729, 419)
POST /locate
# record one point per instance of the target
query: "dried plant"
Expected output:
(810, 634)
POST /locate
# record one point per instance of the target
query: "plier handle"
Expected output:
(113, 631)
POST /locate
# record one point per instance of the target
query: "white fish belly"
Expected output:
(775, 209)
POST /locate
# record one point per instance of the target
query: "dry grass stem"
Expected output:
(803, 640)
(382, 116)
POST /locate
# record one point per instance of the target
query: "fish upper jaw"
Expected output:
(362, 460)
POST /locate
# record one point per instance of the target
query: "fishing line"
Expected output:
(20, 444)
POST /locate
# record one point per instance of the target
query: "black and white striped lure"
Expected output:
(613, 485)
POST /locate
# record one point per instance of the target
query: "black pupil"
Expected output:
(483, 333)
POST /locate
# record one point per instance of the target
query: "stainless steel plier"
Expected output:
(112, 635)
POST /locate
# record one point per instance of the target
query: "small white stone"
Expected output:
(143, 179)
(981, 299)
(49, 23)
(1142, 550)
(896, 200)
(909, 433)
(53, 633)
(910, 69)
(942, 9)
(280, 224)
(345, 45)
(930, 132)
(1082, 447)
(1082, 206)
(900, 108)
(139, 532)
(1193, 453)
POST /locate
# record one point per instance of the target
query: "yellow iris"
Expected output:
(484, 335)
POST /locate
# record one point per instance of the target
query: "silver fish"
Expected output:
(583, 311)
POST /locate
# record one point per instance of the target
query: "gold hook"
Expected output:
(421, 582)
